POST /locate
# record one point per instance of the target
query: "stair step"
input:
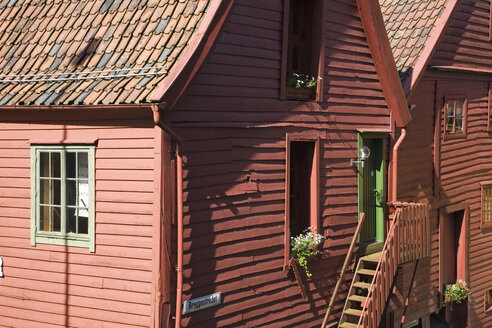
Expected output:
(374, 257)
(347, 325)
(363, 285)
(353, 312)
(357, 298)
(367, 272)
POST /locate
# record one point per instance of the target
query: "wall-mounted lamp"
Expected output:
(364, 153)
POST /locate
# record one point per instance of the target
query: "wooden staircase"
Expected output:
(364, 273)
(407, 239)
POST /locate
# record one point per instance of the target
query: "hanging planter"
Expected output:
(304, 246)
(301, 86)
(455, 293)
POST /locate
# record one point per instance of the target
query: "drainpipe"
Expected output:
(179, 267)
(395, 164)
(158, 121)
(179, 200)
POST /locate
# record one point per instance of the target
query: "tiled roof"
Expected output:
(409, 24)
(60, 52)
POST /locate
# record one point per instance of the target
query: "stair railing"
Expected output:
(344, 268)
(373, 307)
(414, 231)
(408, 239)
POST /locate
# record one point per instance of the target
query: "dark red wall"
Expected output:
(234, 126)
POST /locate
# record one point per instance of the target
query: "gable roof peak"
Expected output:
(414, 28)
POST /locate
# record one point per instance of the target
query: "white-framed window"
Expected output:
(486, 221)
(455, 111)
(62, 195)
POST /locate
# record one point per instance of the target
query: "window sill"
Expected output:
(300, 93)
(58, 239)
(486, 227)
(448, 136)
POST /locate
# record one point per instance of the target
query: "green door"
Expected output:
(371, 195)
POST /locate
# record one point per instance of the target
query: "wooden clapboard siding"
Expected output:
(415, 183)
(56, 286)
(466, 40)
(234, 125)
(462, 164)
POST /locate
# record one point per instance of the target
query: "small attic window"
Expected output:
(455, 116)
(302, 46)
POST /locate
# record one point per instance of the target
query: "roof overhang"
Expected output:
(377, 38)
(190, 61)
(429, 48)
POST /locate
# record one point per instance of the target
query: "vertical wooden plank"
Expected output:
(437, 143)
(426, 231)
(321, 51)
(155, 303)
(287, 202)
(285, 44)
(314, 190)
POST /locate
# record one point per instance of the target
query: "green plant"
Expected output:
(456, 293)
(305, 245)
(301, 81)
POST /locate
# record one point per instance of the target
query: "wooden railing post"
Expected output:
(344, 267)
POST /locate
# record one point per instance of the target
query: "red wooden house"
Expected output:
(263, 161)
(442, 51)
(87, 164)
(137, 136)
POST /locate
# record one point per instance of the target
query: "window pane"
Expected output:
(56, 219)
(44, 191)
(83, 195)
(55, 165)
(450, 124)
(56, 192)
(83, 225)
(83, 166)
(459, 107)
(450, 109)
(44, 218)
(70, 158)
(71, 192)
(72, 221)
(459, 124)
(44, 164)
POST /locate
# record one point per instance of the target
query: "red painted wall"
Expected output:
(234, 127)
(57, 286)
(461, 164)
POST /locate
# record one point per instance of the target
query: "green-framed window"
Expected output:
(62, 195)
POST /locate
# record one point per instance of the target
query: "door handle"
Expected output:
(378, 196)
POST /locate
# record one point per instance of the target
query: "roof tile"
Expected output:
(66, 36)
(408, 25)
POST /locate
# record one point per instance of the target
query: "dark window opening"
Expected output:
(303, 48)
(302, 175)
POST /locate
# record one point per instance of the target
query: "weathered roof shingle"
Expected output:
(409, 24)
(59, 52)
